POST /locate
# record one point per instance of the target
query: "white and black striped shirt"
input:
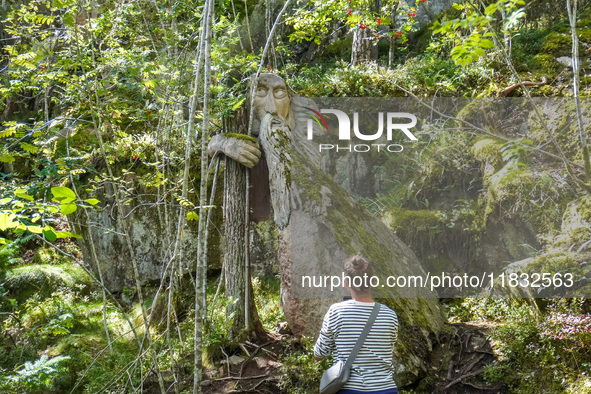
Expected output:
(342, 325)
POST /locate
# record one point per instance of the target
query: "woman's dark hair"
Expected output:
(358, 266)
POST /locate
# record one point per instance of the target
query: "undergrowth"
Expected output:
(539, 351)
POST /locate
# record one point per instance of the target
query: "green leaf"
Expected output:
(3, 241)
(68, 18)
(63, 194)
(35, 229)
(68, 208)
(66, 234)
(6, 158)
(29, 148)
(484, 43)
(238, 104)
(5, 200)
(479, 51)
(92, 201)
(49, 234)
(7, 221)
(22, 193)
(192, 216)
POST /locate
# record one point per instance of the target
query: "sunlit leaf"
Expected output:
(49, 234)
(68, 208)
(7, 221)
(192, 216)
(63, 194)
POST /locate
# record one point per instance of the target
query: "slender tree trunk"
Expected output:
(200, 268)
(392, 38)
(571, 6)
(235, 234)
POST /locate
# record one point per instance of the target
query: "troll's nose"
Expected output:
(270, 105)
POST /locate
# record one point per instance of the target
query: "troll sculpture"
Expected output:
(319, 223)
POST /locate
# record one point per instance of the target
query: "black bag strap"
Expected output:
(361, 339)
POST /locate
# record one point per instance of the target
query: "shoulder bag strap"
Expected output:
(361, 339)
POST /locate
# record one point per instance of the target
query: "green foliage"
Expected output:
(301, 372)
(268, 301)
(542, 354)
(312, 21)
(36, 376)
(526, 44)
(499, 310)
(425, 75)
(478, 24)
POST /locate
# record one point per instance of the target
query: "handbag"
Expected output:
(335, 377)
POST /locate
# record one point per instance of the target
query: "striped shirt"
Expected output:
(342, 325)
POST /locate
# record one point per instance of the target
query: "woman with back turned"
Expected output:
(372, 369)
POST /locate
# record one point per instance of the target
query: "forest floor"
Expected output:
(457, 364)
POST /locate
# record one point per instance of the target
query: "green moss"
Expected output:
(44, 279)
(548, 63)
(555, 262)
(583, 22)
(557, 44)
(488, 150)
(409, 223)
(238, 136)
(46, 255)
(574, 232)
(584, 35)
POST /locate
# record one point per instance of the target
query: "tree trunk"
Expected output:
(361, 50)
(236, 242)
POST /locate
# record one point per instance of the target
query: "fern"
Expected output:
(38, 375)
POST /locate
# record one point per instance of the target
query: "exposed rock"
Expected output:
(567, 61)
(152, 243)
(234, 360)
(505, 240)
(327, 226)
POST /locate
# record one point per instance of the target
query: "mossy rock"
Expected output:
(44, 279)
(575, 231)
(548, 63)
(509, 187)
(46, 255)
(555, 262)
(488, 150)
(557, 44)
(407, 222)
(584, 35)
(584, 22)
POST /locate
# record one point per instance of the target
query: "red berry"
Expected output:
(349, 13)
(149, 111)
(135, 157)
(379, 21)
(398, 34)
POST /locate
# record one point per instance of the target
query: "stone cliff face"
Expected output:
(153, 244)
